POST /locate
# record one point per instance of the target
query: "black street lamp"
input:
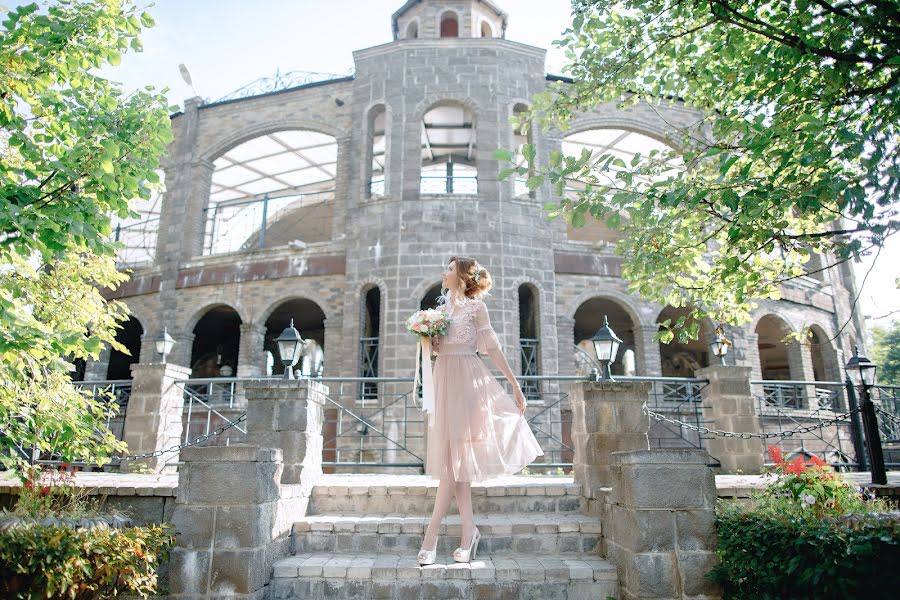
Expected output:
(289, 343)
(164, 343)
(606, 346)
(861, 372)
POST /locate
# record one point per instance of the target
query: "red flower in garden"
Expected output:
(775, 453)
(797, 466)
(817, 461)
(45, 490)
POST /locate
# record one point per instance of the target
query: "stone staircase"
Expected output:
(362, 534)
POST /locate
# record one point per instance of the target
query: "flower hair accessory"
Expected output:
(477, 275)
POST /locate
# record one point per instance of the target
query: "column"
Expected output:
(153, 420)
(607, 417)
(95, 370)
(649, 361)
(227, 515)
(660, 531)
(288, 414)
(729, 404)
(251, 355)
(565, 339)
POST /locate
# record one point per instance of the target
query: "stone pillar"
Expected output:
(649, 360)
(750, 352)
(288, 414)
(183, 348)
(96, 370)
(153, 419)
(728, 403)
(251, 355)
(227, 523)
(606, 417)
(660, 526)
(565, 337)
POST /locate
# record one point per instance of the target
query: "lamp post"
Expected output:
(164, 343)
(288, 347)
(606, 346)
(719, 347)
(861, 372)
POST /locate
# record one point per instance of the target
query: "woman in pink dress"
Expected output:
(478, 431)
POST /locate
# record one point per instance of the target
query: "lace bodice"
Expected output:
(470, 326)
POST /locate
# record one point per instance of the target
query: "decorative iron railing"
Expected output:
(787, 405)
(530, 348)
(280, 81)
(245, 223)
(887, 402)
(368, 352)
(456, 184)
(138, 243)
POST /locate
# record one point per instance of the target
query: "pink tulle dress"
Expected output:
(477, 429)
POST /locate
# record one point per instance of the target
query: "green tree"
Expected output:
(794, 151)
(74, 150)
(886, 353)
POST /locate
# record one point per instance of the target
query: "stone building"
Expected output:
(337, 203)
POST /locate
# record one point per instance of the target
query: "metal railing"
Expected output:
(208, 405)
(788, 405)
(138, 241)
(530, 349)
(243, 224)
(678, 398)
(887, 401)
(441, 184)
(376, 187)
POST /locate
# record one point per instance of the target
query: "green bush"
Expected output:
(766, 555)
(808, 534)
(60, 562)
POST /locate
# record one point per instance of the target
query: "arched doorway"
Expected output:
(589, 318)
(678, 358)
(129, 335)
(217, 338)
(309, 320)
(430, 299)
(529, 339)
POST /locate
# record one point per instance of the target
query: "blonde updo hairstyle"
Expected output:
(465, 269)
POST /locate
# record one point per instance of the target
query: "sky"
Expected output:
(227, 44)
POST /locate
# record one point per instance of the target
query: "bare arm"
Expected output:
(488, 343)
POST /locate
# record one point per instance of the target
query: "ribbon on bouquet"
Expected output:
(423, 358)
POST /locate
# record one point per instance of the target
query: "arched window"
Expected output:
(272, 190)
(449, 26)
(519, 139)
(486, 31)
(682, 359)
(448, 151)
(620, 144)
(412, 30)
(377, 152)
(529, 342)
(588, 319)
(369, 342)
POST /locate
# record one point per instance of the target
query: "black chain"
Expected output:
(747, 435)
(194, 442)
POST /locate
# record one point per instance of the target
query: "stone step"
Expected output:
(399, 577)
(558, 533)
(415, 494)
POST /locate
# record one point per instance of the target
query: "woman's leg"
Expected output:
(464, 504)
(446, 488)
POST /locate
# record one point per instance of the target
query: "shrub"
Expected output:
(60, 562)
(809, 534)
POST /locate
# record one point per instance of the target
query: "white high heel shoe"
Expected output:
(464, 555)
(427, 557)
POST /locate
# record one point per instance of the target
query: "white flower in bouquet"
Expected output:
(428, 322)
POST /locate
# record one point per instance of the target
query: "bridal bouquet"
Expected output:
(426, 324)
